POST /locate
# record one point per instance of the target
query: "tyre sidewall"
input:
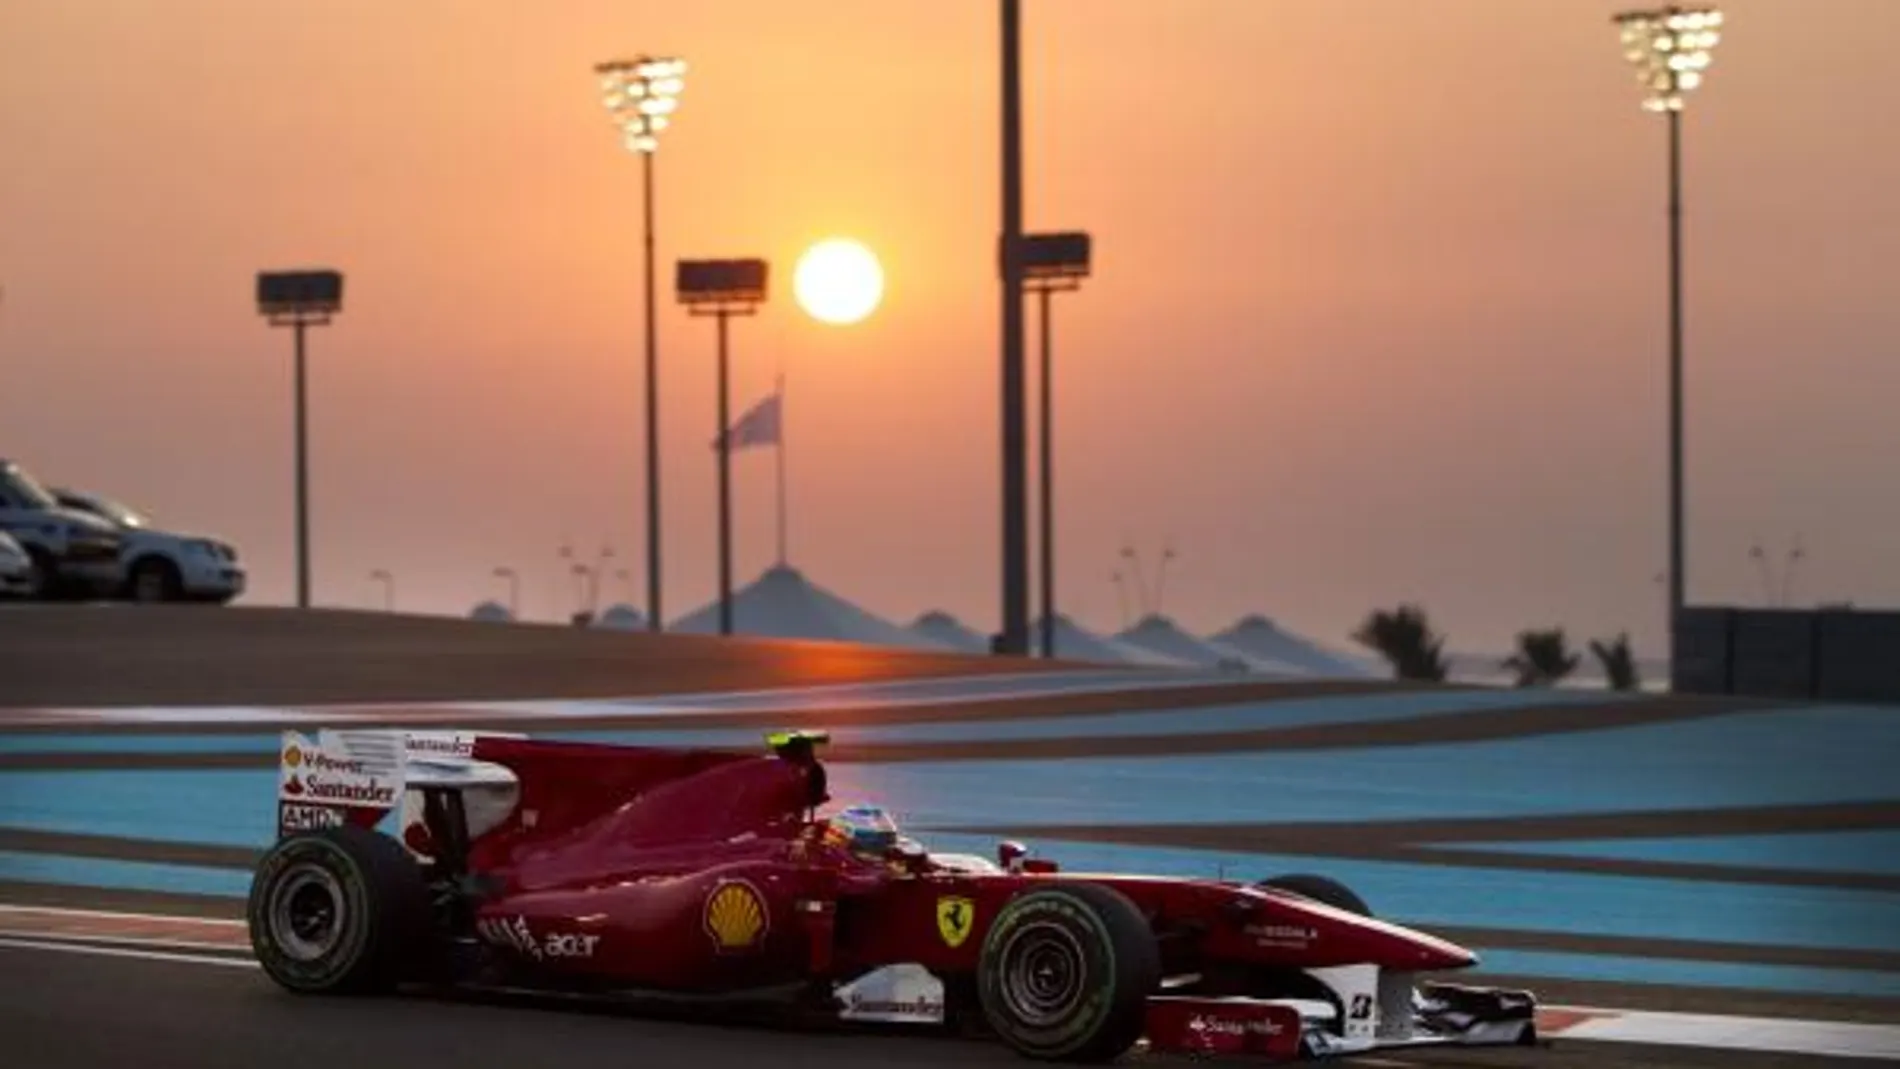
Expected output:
(345, 965)
(1097, 1006)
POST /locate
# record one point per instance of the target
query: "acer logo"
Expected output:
(513, 933)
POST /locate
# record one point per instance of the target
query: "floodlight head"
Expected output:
(305, 294)
(1671, 49)
(724, 284)
(641, 95)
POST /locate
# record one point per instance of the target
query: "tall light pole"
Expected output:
(383, 576)
(723, 289)
(300, 300)
(641, 94)
(1013, 636)
(1052, 263)
(1671, 49)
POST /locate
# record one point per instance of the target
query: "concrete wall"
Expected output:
(1828, 654)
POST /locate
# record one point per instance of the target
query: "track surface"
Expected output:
(85, 1011)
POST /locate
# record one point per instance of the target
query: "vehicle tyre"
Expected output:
(1066, 971)
(338, 911)
(156, 579)
(42, 580)
(1322, 889)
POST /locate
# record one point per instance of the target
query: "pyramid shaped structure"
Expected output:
(1159, 634)
(490, 612)
(946, 630)
(621, 617)
(1077, 643)
(782, 603)
(1259, 637)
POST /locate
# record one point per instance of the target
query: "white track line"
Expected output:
(1841, 1039)
(160, 918)
(88, 940)
(118, 952)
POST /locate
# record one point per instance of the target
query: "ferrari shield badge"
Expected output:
(955, 915)
(735, 916)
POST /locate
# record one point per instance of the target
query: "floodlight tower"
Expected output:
(723, 289)
(1051, 263)
(300, 300)
(641, 95)
(1671, 49)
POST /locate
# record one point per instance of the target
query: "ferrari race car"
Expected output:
(491, 862)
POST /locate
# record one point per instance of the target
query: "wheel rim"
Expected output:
(150, 585)
(1044, 976)
(307, 913)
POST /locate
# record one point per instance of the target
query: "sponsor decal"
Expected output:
(904, 993)
(1202, 1024)
(1281, 934)
(513, 933)
(956, 915)
(736, 916)
(347, 792)
(865, 1007)
(295, 816)
(293, 756)
(445, 745)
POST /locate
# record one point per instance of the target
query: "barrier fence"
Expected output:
(1835, 654)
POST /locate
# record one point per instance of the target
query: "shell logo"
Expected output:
(735, 915)
(292, 757)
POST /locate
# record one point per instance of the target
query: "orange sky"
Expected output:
(1378, 312)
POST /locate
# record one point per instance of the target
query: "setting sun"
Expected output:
(838, 281)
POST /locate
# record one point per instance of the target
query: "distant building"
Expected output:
(782, 603)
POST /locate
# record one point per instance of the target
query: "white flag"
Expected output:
(759, 426)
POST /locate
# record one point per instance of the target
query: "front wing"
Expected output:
(1293, 1029)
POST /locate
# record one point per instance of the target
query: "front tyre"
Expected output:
(339, 911)
(1066, 972)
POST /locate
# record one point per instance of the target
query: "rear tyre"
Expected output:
(1066, 972)
(1322, 889)
(340, 911)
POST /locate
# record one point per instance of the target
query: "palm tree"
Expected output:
(1618, 662)
(1542, 658)
(1405, 639)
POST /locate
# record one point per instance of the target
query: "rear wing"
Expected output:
(358, 776)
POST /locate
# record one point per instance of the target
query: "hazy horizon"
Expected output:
(1378, 313)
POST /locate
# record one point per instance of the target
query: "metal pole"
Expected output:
(1015, 629)
(303, 475)
(725, 490)
(1048, 491)
(654, 616)
(779, 456)
(1676, 569)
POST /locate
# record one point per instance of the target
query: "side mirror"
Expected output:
(1009, 855)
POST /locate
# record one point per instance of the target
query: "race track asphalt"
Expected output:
(64, 1008)
(86, 1011)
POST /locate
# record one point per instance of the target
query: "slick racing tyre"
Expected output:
(1066, 971)
(1322, 889)
(338, 911)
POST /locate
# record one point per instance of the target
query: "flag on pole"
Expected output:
(759, 425)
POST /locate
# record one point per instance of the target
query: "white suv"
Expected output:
(73, 553)
(162, 565)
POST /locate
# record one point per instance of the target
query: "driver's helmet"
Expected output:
(867, 829)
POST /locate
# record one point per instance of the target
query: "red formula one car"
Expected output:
(618, 872)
